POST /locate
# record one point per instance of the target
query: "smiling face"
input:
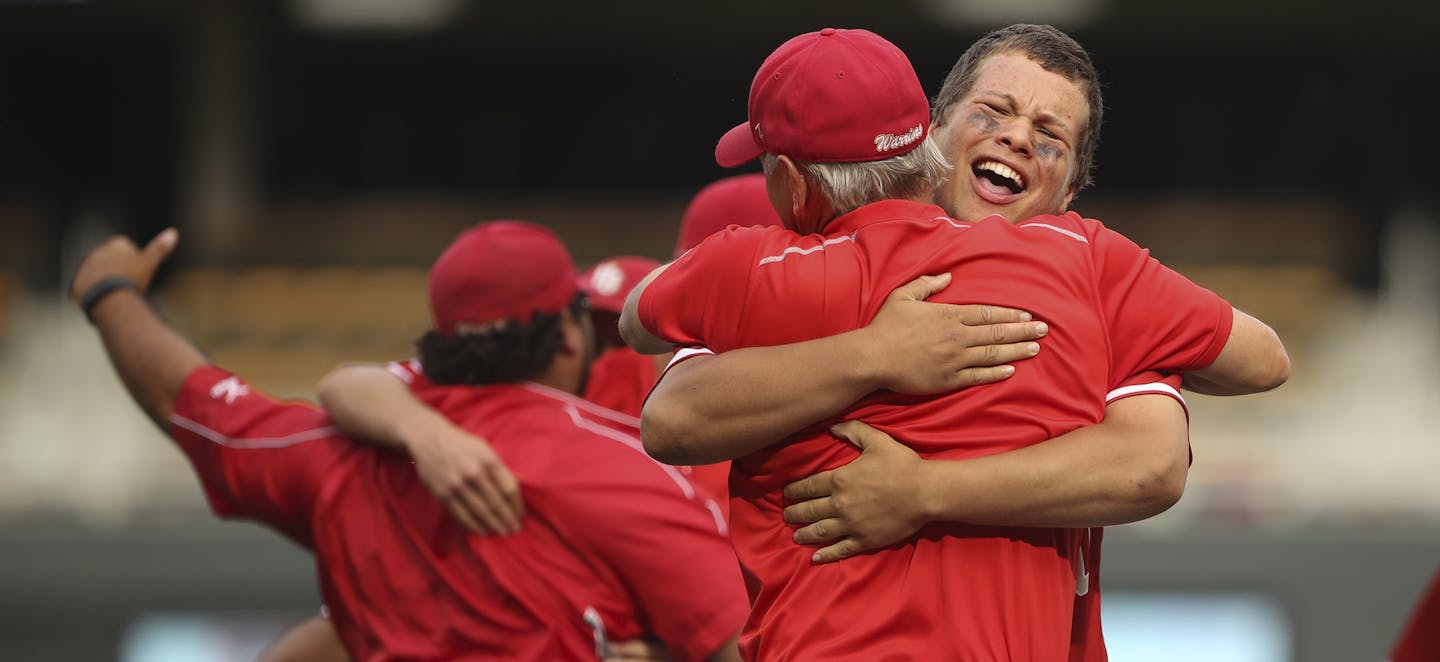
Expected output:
(1013, 139)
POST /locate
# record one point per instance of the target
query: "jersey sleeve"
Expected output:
(257, 458)
(737, 289)
(667, 542)
(1157, 319)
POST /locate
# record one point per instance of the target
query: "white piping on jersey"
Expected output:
(795, 250)
(253, 443)
(1047, 226)
(1152, 387)
(406, 371)
(577, 401)
(719, 517)
(682, 354)
(631, 442)
(1160, 388)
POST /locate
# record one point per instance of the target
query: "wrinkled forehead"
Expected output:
(1015, 77)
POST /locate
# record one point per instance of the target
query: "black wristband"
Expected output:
(100, 289)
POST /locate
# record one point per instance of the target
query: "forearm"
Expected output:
(151, 358)
(1252, 361)
(1130, 467)
(712, 408)
(369, 404)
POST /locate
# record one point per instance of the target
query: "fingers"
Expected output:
(821, 532)
(460, 511)
(483, 511)
(509, 489)
(844, 549)
(162, 245)
(809, 512)
(810, 487)
(858, 433)
(975, 315)
(985, 375)
(1007, 333)
(501, 508)
(921, 288)
(994, 355)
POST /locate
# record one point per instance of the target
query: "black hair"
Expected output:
(513, 352)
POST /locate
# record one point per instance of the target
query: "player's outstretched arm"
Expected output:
(151, 358)
(460, 469)
(1127, 468)
(716, 407)
(1252, 361)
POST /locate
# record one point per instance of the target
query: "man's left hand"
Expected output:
(862, 505)
(119, 256)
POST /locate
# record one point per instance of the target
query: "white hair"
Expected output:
(849, 186)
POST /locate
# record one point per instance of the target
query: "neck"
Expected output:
(559, 375)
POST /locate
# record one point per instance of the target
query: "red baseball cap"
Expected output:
(738, 200)
(610, 280)
(500, 270)
(833, 96)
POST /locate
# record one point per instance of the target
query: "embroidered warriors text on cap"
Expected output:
(831, 96)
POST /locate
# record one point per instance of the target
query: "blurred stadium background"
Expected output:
(317, 154)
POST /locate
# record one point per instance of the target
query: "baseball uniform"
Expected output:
(613, 546)
(955, 591)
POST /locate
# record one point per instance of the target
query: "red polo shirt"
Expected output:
(613, 545)
(955, 591)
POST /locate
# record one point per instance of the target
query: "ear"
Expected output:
(572, 334)
(795, 184)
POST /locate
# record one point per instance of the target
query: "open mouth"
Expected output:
(999, 178)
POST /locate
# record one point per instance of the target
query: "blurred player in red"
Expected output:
(822, 102)
(613, 549)
(463, 471)
(1420, 640)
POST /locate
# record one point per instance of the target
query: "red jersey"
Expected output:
(621, 379)
(1087, 638)
(955, 591)
(1420, 641)
(613, 546)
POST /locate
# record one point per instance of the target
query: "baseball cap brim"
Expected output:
(737, 147)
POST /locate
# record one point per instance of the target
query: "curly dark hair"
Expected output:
(1053, 50)
(513, 353)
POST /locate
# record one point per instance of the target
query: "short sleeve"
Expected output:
(257, 458)
(684, 303)
(666, 544)
(746, 287)
(1157, 319)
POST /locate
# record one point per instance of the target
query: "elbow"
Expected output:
(661, 434)
(325, 390)
(1158, 487)
(1279, 370)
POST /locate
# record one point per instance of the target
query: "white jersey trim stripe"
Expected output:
(634, 444)
(1159, 388)
(795, 250)
(582, 403)
(252, 443)
(1047, 226)
(683, 354)
(720, 523)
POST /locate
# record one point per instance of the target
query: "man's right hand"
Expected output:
(464, 472)
(922, 348)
